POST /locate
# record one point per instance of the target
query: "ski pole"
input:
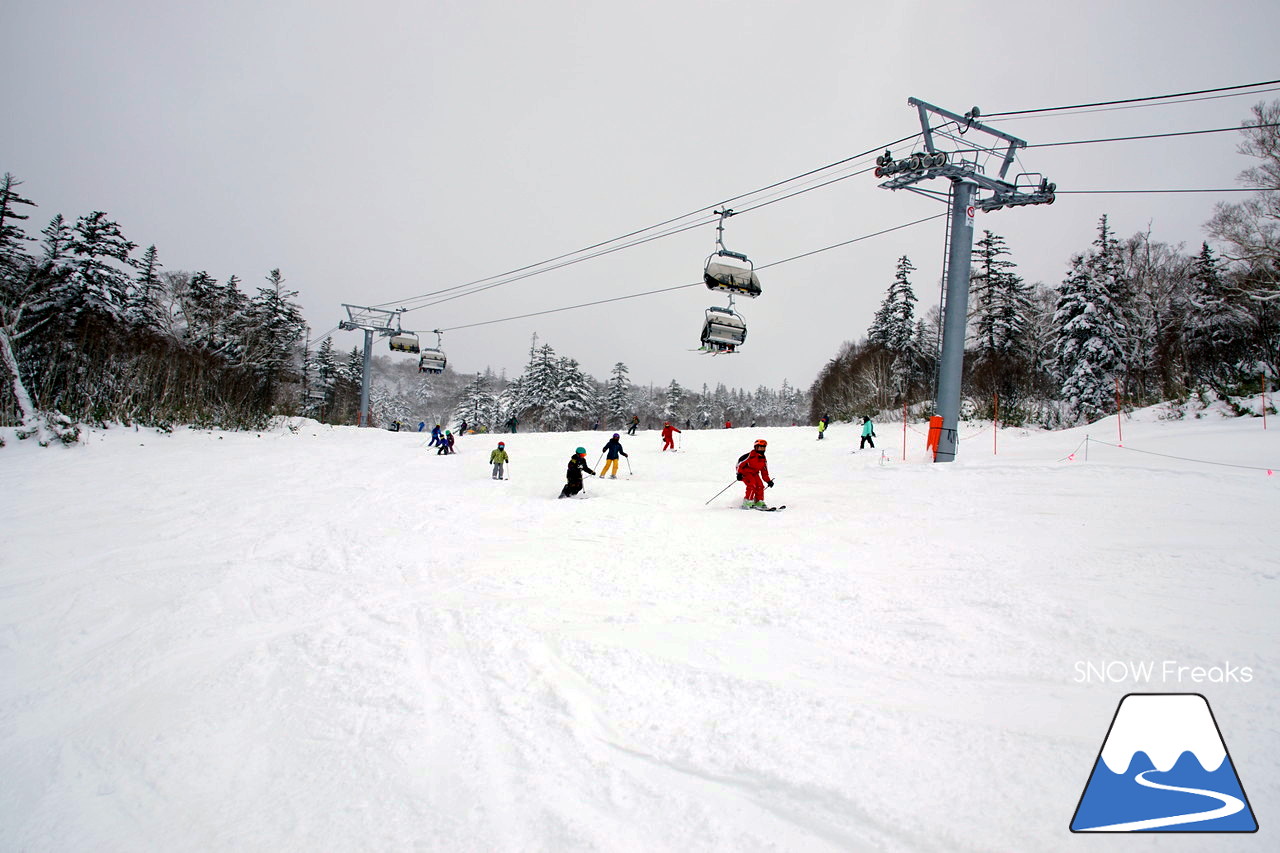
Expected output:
(721, 492)
(601, 457)
(628, 458)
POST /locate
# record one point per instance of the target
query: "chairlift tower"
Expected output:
(372, 321)
(964, 164)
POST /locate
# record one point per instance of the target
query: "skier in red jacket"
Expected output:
(668, 436)
(753, 471)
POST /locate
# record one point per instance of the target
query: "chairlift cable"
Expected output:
(693, 284)
(532, 269)
(1132, 100)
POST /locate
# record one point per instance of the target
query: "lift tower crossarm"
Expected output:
(968, 122)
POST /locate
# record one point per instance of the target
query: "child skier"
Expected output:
(822, 427)
(573, 476)
(753, 471)
(446, 444)
(668, 436)
(868, 433)
(614, 449)
(498, 458)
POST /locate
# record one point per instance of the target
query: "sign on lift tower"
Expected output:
(970, 146)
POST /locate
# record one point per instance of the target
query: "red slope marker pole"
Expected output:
(1119, 428)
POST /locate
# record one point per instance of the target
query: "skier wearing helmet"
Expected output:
(753, 471)
(613, 449)
(577, 464)
(498, 458)
(668, 436)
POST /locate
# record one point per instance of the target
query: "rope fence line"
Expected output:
(1070, 457)
(1270, 471)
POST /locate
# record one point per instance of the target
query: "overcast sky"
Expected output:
(378, 151)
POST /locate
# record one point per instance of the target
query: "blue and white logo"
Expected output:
(1164, 768)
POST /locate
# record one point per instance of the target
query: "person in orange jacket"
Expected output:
(753, 471)
(668, 436)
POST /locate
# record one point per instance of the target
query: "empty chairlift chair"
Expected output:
(404, 342)
(731, 272)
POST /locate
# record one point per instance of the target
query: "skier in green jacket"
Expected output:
(498, 458)
(868, 433)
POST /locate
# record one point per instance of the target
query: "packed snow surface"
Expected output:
(319, 638)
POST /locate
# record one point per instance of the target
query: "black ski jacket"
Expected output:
(576, 466)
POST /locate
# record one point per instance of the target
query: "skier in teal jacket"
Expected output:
(868, 433)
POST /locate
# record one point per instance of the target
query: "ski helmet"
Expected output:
(615, 435)
(760, 442)
(581, 451)
(448, 432)
(501, 444)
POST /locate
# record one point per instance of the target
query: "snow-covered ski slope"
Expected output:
(332, 639)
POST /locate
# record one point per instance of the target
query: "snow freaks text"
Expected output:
(1166, 672)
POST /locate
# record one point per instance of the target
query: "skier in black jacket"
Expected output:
(577, 464)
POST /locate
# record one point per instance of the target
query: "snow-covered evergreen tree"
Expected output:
(1213, 322)
(144, 304)
(100, 261)
(1088, 354)
(273, 329)
(574, 397)
(999, 299)
(673, 402)
(617, 403)
(893, 326)
(478, 405)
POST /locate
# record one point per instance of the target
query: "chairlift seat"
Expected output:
(732, 273)
(404, 343)
(432, 360)
(723, 330)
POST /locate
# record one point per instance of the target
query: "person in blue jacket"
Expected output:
(868, 433)
(612, 449)
(436, 433)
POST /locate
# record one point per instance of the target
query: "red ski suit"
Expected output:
(668, 439)
(755, 473)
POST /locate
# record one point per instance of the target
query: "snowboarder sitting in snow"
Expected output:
(668, 436)
(613, 448)
(868, 433)
(753, 471)
(498, 458)
(577, 464)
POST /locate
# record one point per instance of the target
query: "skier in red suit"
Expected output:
(753, 471)
(668, 436)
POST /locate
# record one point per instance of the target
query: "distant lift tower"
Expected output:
(970, 147)
(371, 321)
